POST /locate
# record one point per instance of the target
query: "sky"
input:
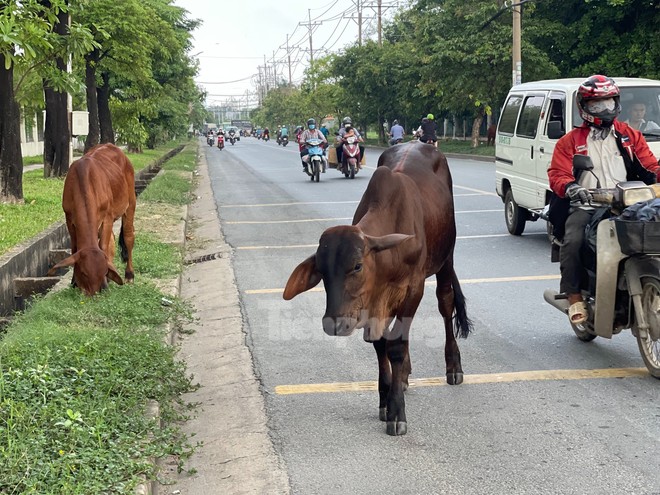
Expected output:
(235, 35)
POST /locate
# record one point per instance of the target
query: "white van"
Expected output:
(535, 115)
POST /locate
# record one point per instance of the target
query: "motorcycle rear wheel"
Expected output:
(649, 347)
(583, 334)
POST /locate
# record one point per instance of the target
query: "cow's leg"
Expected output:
(384, 377)
(127, 241)
(106, 238)
(74, 242)
(445, 294)
(407, 366)
(399, 357)
(396, 406)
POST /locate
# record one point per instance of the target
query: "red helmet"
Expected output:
(598, 88)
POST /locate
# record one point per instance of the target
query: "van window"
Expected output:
(556, 113)
(529, 116)
(510, 115)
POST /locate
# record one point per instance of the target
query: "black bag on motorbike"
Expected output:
(557, 214)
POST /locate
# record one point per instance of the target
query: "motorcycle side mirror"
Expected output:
(582, 162)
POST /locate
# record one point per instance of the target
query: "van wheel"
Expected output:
(514, 215)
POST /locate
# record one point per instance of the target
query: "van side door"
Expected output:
(525, 144)
(554, 110)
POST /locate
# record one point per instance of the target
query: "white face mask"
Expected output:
(599, 106)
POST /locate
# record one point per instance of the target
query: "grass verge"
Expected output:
(76, 375)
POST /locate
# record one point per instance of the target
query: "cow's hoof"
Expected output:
(397, 428)
(455, 378)
(382, 413)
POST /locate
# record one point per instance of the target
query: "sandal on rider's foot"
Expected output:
(577, 313)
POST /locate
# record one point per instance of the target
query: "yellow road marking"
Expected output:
(516, 376)
(526, 278)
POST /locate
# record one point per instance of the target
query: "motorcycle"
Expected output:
(232, 137)
(221, 141)
(396, 141)
(210, 140)
(315, 159)
(266, 137)
(622, 289)
(350, 157)
(284, 140)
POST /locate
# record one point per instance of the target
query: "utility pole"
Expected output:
(517, 58)
(310, 26)
(380, 8)
(288, 54)
(380, 22)
(358, 19)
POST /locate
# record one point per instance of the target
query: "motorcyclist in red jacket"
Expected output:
(618, 152)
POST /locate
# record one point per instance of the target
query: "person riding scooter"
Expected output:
(396, 133)
(347, 126)
(619, 153)
(310, 133)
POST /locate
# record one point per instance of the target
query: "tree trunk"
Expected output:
(91, 60)
(476, 125)
(11, 158)
(57, 134)
(105, 117)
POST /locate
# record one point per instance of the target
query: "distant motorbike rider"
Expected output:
(324, 130)
(266, 134)
(396, 132)
(311, 133)
(428, 130)
(284, 132)
(347, 128)
(299, 131)
(618, 152)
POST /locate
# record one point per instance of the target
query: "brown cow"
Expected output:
(98, 189)
(373, 271)
(492, 132)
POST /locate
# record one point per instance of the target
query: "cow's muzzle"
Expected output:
(341, 326)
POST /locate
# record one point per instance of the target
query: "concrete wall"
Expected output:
(32, 141)
(29, 259)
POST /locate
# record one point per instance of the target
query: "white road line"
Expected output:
(306, 246)
(524, 278)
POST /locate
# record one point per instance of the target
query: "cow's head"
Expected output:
(346, 262)
(91, 270)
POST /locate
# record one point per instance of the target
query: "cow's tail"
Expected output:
(122, 245)
(462, 324)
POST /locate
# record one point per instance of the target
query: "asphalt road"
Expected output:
(517, 425)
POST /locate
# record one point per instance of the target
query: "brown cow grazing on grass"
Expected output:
(374, 270)
(98, 189)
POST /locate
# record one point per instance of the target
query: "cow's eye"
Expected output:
(357, 267)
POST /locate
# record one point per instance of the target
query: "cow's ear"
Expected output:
(113, 275)
(385, 242)
(303, 278)
(70, 261)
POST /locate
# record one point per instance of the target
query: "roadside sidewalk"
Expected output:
(237, 455)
